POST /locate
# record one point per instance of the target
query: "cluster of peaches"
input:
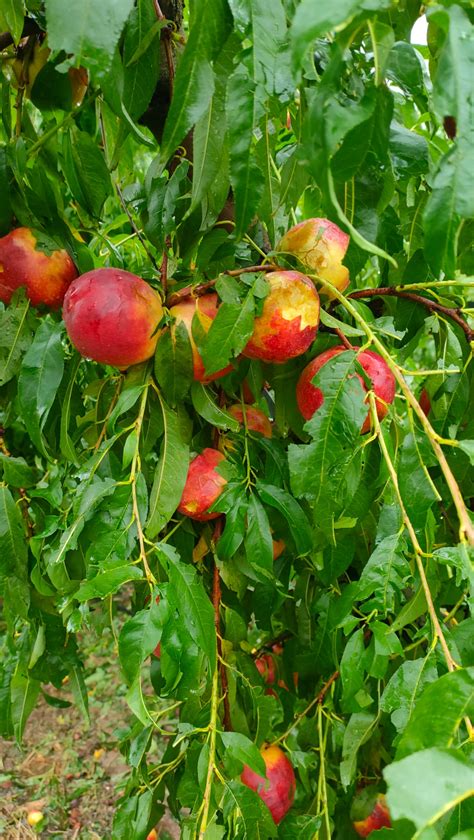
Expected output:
(115, 318)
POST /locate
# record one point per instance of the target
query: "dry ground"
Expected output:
(69, 771)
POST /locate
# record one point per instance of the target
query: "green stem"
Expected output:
(212, 753)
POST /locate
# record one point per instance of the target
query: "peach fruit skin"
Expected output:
(310, 398)
(46, 277)
(320, 246)
(256, 420)
(206, 309)
(289, 321)
(379, 818)
(203, 486)
(112, 316)
(277, 791)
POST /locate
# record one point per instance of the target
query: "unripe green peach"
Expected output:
(289, 320)
(320, 246)
(112, 316)
(46, 276)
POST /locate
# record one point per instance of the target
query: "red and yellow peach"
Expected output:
(112, 317)
(378, 818)
(289, 320)
(309, 397)
(203, 486)
(255, 419)
(205, 309)
(277, 791)
(45, 275)
(320, 246)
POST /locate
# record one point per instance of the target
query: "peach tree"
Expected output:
(243, 445)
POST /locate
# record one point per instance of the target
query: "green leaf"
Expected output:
(16, 471)
(13, 556)
(40, 376)
(65, 443)
(79, 689)
(404, 687)
(12, 14)
(241, 748)
(194, 80)
(141, 58)
(138, 639)
(312, 20)
(384, 575)
(16, 333)
(317, 468)
(334, 323)
(174, 363)
(229, 333)
(358, 731)
(258, 538)
(205, 406)
(209, 135)
(88, 31)
(298, 523)
(244, 113)
(439, 712)
(191, 601)
(107, 581)
(171, 472)
(447, 779)
(251, 817)
(24, 694)
(86, 171)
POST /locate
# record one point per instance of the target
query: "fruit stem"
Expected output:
(408, 524)
(466, 531)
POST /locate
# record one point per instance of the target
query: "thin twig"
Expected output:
(345, 341)
(202, 288)
(450, 312)
(166, 37)
(315, 702)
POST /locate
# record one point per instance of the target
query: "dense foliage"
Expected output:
(183, 155)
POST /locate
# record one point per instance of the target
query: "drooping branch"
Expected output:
(392, 291)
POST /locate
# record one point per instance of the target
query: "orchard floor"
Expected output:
(67, 770)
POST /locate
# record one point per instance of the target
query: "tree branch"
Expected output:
(202, 288)
(450, 312)
(165, 36)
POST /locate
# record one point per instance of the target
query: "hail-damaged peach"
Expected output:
(112, 317)
(320, 246)
(310, 398)
(205, 309)
(46, 275)
(203, 486)
(289, 320)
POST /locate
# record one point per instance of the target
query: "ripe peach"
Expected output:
(310, 398)
(277, 791)
(255, 419)
(45, 275)
(289, 321)
(278, 548)
(203, 486)
(378, 818)
(112, 316)
(265, 665)
(205, 308)
(425, 402)
(320, 246)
